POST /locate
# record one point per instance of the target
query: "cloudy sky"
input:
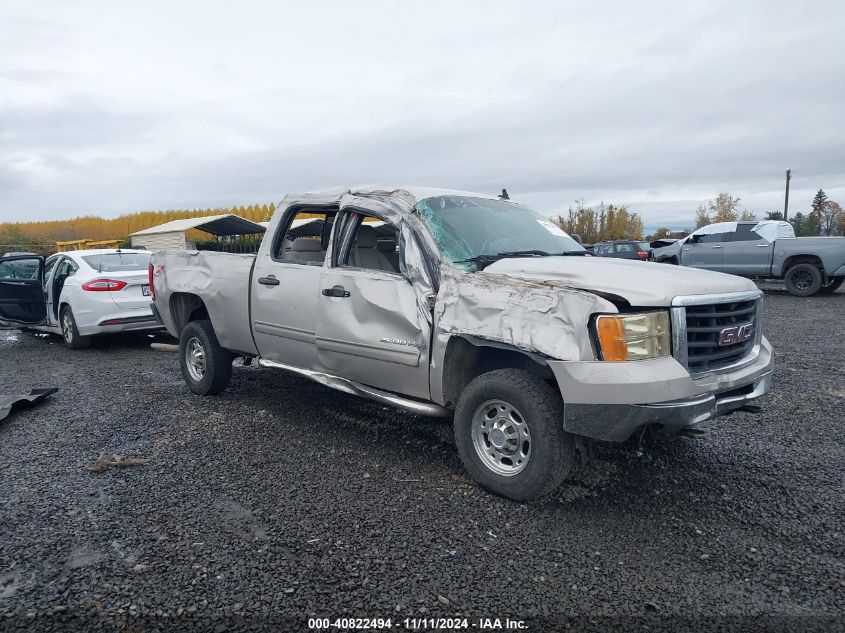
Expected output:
(108, 107)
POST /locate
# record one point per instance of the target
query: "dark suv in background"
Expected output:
(624, 249)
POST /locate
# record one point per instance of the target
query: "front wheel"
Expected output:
(832, 286)
(803, 280)
(206, 366)
(509, 434)
(70, 333)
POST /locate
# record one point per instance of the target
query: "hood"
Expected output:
(639, 283)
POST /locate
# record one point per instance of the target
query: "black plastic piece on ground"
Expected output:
(33, 397)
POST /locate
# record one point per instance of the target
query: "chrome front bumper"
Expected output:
(610, 401)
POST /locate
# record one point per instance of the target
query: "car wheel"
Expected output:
(832, 286)
(206, 367)
(803, 280)
(509, 434)
(70, 333)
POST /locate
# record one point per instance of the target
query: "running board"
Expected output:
(357, 389)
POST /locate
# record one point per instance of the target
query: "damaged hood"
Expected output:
(639, 283)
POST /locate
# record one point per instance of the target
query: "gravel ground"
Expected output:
(282, 500)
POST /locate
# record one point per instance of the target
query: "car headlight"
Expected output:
(634, 336)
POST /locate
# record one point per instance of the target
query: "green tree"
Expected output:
(747, 216)
(774, 215)
(805, 225)
(702, 217)
(819, 201)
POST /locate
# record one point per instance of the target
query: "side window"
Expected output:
(305, 237)
(711, 238)
(374, 245)
(20, 269)
(66, 268)
(48, 268)
(604, 249)
(624, 248)
(744, 234)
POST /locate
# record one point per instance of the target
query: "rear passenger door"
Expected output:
(286, 286)
(369, 325)
(22, 291)
(746, 253)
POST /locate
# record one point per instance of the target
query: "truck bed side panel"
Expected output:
(221, 280)
(831, 250)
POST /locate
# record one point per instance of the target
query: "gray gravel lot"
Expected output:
(280, 500)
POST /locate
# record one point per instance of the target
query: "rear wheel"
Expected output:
(803, 280)
(508, 430)
(832, 286)
(206, 367)
(70, 333)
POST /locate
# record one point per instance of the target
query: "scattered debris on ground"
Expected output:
(115, 460)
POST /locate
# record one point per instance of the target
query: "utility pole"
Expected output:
(786, 196)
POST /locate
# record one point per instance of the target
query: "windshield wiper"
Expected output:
(482, 261)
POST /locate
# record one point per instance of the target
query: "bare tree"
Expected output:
(831, 217)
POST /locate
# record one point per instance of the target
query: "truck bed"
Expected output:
(219, 280)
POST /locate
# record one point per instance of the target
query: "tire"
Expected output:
(517, 410)
(206, 367)
(832, 287)
(803, 280)
(70, 333)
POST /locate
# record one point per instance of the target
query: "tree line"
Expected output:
(602, 222)
(591, 223)
(825, 216)
(94, 227)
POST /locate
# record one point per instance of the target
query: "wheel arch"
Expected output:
(467, 357)
(792, 260)
(186, 307)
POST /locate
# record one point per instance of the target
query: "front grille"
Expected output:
(705, 324)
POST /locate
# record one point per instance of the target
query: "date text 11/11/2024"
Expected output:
(418, 624)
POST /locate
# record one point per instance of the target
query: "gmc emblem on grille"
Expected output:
(736, 334)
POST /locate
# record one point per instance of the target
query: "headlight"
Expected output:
(634, 336)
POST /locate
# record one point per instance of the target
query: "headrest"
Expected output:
(366, 237)
(305, 244)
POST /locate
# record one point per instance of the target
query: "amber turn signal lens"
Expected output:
(636, 336)
(612, 338)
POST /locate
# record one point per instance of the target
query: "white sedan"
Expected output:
(77, 294)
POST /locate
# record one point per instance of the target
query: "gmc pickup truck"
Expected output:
(464, 305)
(767, 249)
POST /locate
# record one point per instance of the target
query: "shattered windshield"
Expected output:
(467, 229)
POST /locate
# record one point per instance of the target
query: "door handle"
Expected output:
(718, 246)
(268, 281)
(763, 245)
(335, 291)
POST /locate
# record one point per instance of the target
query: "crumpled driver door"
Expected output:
(371, 328)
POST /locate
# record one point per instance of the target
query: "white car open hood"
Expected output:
(639, 283)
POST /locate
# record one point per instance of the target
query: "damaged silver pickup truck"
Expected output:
(457, 304)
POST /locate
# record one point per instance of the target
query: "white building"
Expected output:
(170, 236)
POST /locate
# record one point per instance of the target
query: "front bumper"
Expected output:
(610, 401)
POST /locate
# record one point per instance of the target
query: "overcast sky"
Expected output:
(110, 107)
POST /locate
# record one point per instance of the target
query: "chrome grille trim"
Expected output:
(680, 331)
